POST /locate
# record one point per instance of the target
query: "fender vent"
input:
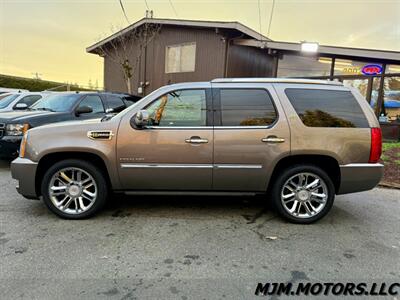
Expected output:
(100, 134)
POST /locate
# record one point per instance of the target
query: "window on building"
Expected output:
(179, 108)
(353, 67)
(94, 102)
(304, 66)
(390, 69)
(246, 107)
(392, 98)
(180, 58)
(327, 108)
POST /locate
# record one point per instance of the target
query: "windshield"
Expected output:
(6, 101)
(58, 103)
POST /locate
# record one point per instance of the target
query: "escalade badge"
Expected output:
(100, 134)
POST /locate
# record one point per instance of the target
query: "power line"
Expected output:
(123, 10)
(173, 8)
(259, 17)
(270, 17)
(147, 5)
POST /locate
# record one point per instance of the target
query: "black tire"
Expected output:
(285, 175)
(96, 173)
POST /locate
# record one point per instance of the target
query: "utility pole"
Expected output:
(36, 75)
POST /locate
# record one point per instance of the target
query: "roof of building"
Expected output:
(325, 50)
(187, 23)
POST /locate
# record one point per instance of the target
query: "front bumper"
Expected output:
(9, 146)
(24, 170)
(359, 177)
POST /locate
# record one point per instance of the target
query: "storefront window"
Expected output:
(352, 67)
(390, 69)
(303, 66)
(392, 98)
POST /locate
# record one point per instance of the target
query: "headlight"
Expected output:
(16, 129)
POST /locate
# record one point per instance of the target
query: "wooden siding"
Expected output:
(210, 60)
(248, 62)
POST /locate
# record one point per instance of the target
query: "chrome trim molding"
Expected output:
(100, 134)
(361, 165)
(188, 166)
(2, 125)
(179, 127)
(227, 166)
(167, 166)
(190, 193)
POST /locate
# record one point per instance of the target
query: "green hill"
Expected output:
(35, 85)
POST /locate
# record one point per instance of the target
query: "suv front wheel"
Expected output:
(74, 189)
(303, 193)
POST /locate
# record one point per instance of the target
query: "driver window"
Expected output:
(94, 102)
(183, 108)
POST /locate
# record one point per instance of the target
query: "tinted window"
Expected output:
(115, 103)
(30, 100)
(57, 102)
(130, 100)
(6, 101)
(327, 108)
(94, 102)
(179, 108)
(246, 107)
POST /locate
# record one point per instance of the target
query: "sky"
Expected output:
(49, 37)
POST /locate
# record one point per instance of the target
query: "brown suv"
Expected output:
(300, 142)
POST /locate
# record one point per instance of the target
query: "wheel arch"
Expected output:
(327, 163)
(51, 158)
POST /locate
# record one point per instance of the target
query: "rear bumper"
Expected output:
(24, 170)
(9, 146)
(359, 177)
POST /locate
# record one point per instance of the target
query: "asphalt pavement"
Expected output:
(143, 247)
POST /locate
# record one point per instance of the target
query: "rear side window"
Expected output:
(246, 107)
(327, 108)
(115, 103)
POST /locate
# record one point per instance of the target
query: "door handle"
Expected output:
(196, 140)
(273, 140)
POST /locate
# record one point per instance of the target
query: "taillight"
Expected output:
(376, 145)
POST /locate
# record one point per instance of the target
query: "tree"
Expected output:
(121, 50)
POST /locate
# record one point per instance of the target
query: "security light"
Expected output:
(309, 47)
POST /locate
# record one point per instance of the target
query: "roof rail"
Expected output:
(276, 80)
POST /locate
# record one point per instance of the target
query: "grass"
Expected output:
(388, 146)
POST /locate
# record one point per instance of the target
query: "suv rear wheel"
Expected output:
(303, 194)
(74, 189)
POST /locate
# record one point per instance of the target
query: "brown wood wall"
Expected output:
(210, 60)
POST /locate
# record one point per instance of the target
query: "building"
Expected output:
(185, 50)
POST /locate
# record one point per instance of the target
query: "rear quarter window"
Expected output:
(327, 108)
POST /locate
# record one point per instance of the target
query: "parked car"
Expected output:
(57, 107)
(9, 90)
(19, 101)
(299, 142)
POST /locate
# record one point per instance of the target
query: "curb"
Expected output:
(389, 185)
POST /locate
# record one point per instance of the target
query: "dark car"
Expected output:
(59, 107)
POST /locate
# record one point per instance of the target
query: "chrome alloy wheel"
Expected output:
(72, 190)
(304, 195)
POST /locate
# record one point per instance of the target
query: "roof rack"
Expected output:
(276, 80)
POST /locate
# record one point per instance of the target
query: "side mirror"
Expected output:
(141, 119)
(83, 110)
(109, 110)
(21, 106)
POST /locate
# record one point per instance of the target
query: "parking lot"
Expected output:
(191, 247)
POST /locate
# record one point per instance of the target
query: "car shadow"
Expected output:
(5, 164)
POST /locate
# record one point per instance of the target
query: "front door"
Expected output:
(251, 134)
(175, 150)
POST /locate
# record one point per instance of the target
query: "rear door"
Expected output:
(251, 134)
